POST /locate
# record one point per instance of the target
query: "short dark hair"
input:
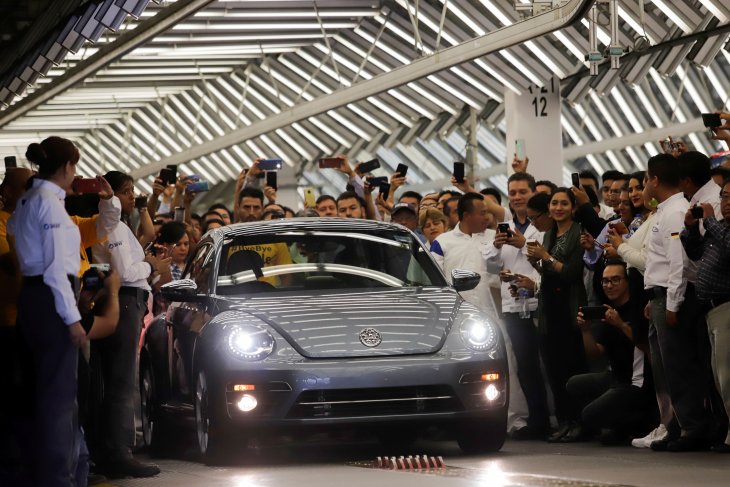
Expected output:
(622, 177)
(351, 194)
(617, 262)
(587, 174)
(548, 183)
(116, 179)
(611, 174)
(522, 176)
(454, 194)
(447, 208)
(221, 206)
(665, 168)
(212, 220)
(539, 202)
(325, 197)
(171, 232)
(491, 191)
(250, 192)
(722, 171)
(695, 166)
(411, 194)
(212, 213)
(466, 203)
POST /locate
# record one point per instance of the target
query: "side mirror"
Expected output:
(464, 280)
(181, 290)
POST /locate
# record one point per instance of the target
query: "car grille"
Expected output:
(386, 401)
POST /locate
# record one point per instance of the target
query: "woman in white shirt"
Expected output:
(118, 352)
(47, 244)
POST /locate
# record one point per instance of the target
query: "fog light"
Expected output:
(491, 392)
(247, 403)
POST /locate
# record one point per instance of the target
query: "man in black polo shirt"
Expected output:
(620, 400)
(713, 288)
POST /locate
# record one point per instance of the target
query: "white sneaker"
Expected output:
(658, 433)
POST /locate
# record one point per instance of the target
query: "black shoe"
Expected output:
(562, 431)
(128, 468)
(529, 433)
(574, 434)
(688, 443)
(721, 448)
(661, 445)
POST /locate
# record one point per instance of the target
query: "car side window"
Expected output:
(200, 268)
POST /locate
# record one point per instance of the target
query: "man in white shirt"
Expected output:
(507, 255)
(672, 334)
(461, 248)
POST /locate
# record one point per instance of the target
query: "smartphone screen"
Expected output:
(140, 202)
(10, 161)
(329, 162)
(711, 120)
(593, 312)
(402, 169)
(271, 179)
(369, 166)
(459, 172)
(385, 189)
(168, 176)
(503, 228)
(378, 181)
(179, 214)
(575, 179)
(520, 149)
(697, 212)
(173, 168)
(270, 164)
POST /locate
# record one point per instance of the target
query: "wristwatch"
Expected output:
(550, 261)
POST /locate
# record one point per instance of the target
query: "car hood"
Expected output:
(337, 324)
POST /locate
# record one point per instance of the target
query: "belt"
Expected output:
(656, 292)
(38, 281)
(137, 292)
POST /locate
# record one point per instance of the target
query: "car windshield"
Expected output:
(311, 260)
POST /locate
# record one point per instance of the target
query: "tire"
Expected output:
(155, 430)
(483, 435)
(213, 444)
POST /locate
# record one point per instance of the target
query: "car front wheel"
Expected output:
(483, 435)
(212, 442)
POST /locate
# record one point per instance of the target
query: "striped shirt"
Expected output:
(713, 253)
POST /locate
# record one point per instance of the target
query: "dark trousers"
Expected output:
(525, 345)
(49, 361)
(681, 365)
(118, 356)
(563, 355)
(625, 408)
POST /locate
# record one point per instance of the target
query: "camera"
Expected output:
(697, 212)
(93, 279)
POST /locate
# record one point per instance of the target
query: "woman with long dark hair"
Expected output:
(118, 352)
(561, 293)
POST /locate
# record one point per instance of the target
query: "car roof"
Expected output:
(333, 224)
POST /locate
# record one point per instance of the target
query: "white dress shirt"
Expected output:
(514, 259)
(633, 250)
(666, 260)
(125, 255)
(47, 242)
(458, 250)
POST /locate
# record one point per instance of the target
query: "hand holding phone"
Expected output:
(330, 162)
(270, 164)
(575, 179)
(697, 212)
(10, 162)
(619, 227)
(593, 312)
(179, 214)
(140, 202)
(90, 185)
(168, 176)
(711, 120)
(271, 180)
(504, 228)
(368, 166)
(402, 169)
(310, 201)
(459, 172)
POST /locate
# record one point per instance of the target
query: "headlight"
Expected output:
(478, 334)
(250, 342)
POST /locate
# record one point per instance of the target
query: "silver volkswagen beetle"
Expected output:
(311, 322)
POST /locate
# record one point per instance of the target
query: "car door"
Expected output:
(186, 319)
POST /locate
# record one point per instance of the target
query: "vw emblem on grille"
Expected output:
(370, 337)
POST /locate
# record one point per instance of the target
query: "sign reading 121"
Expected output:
(539, 101)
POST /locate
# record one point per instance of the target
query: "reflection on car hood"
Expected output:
(327, 324)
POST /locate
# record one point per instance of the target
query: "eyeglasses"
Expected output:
(615, 280)
(534, 218)
(724, 196)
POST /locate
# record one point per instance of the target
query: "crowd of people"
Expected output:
(612, 294)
